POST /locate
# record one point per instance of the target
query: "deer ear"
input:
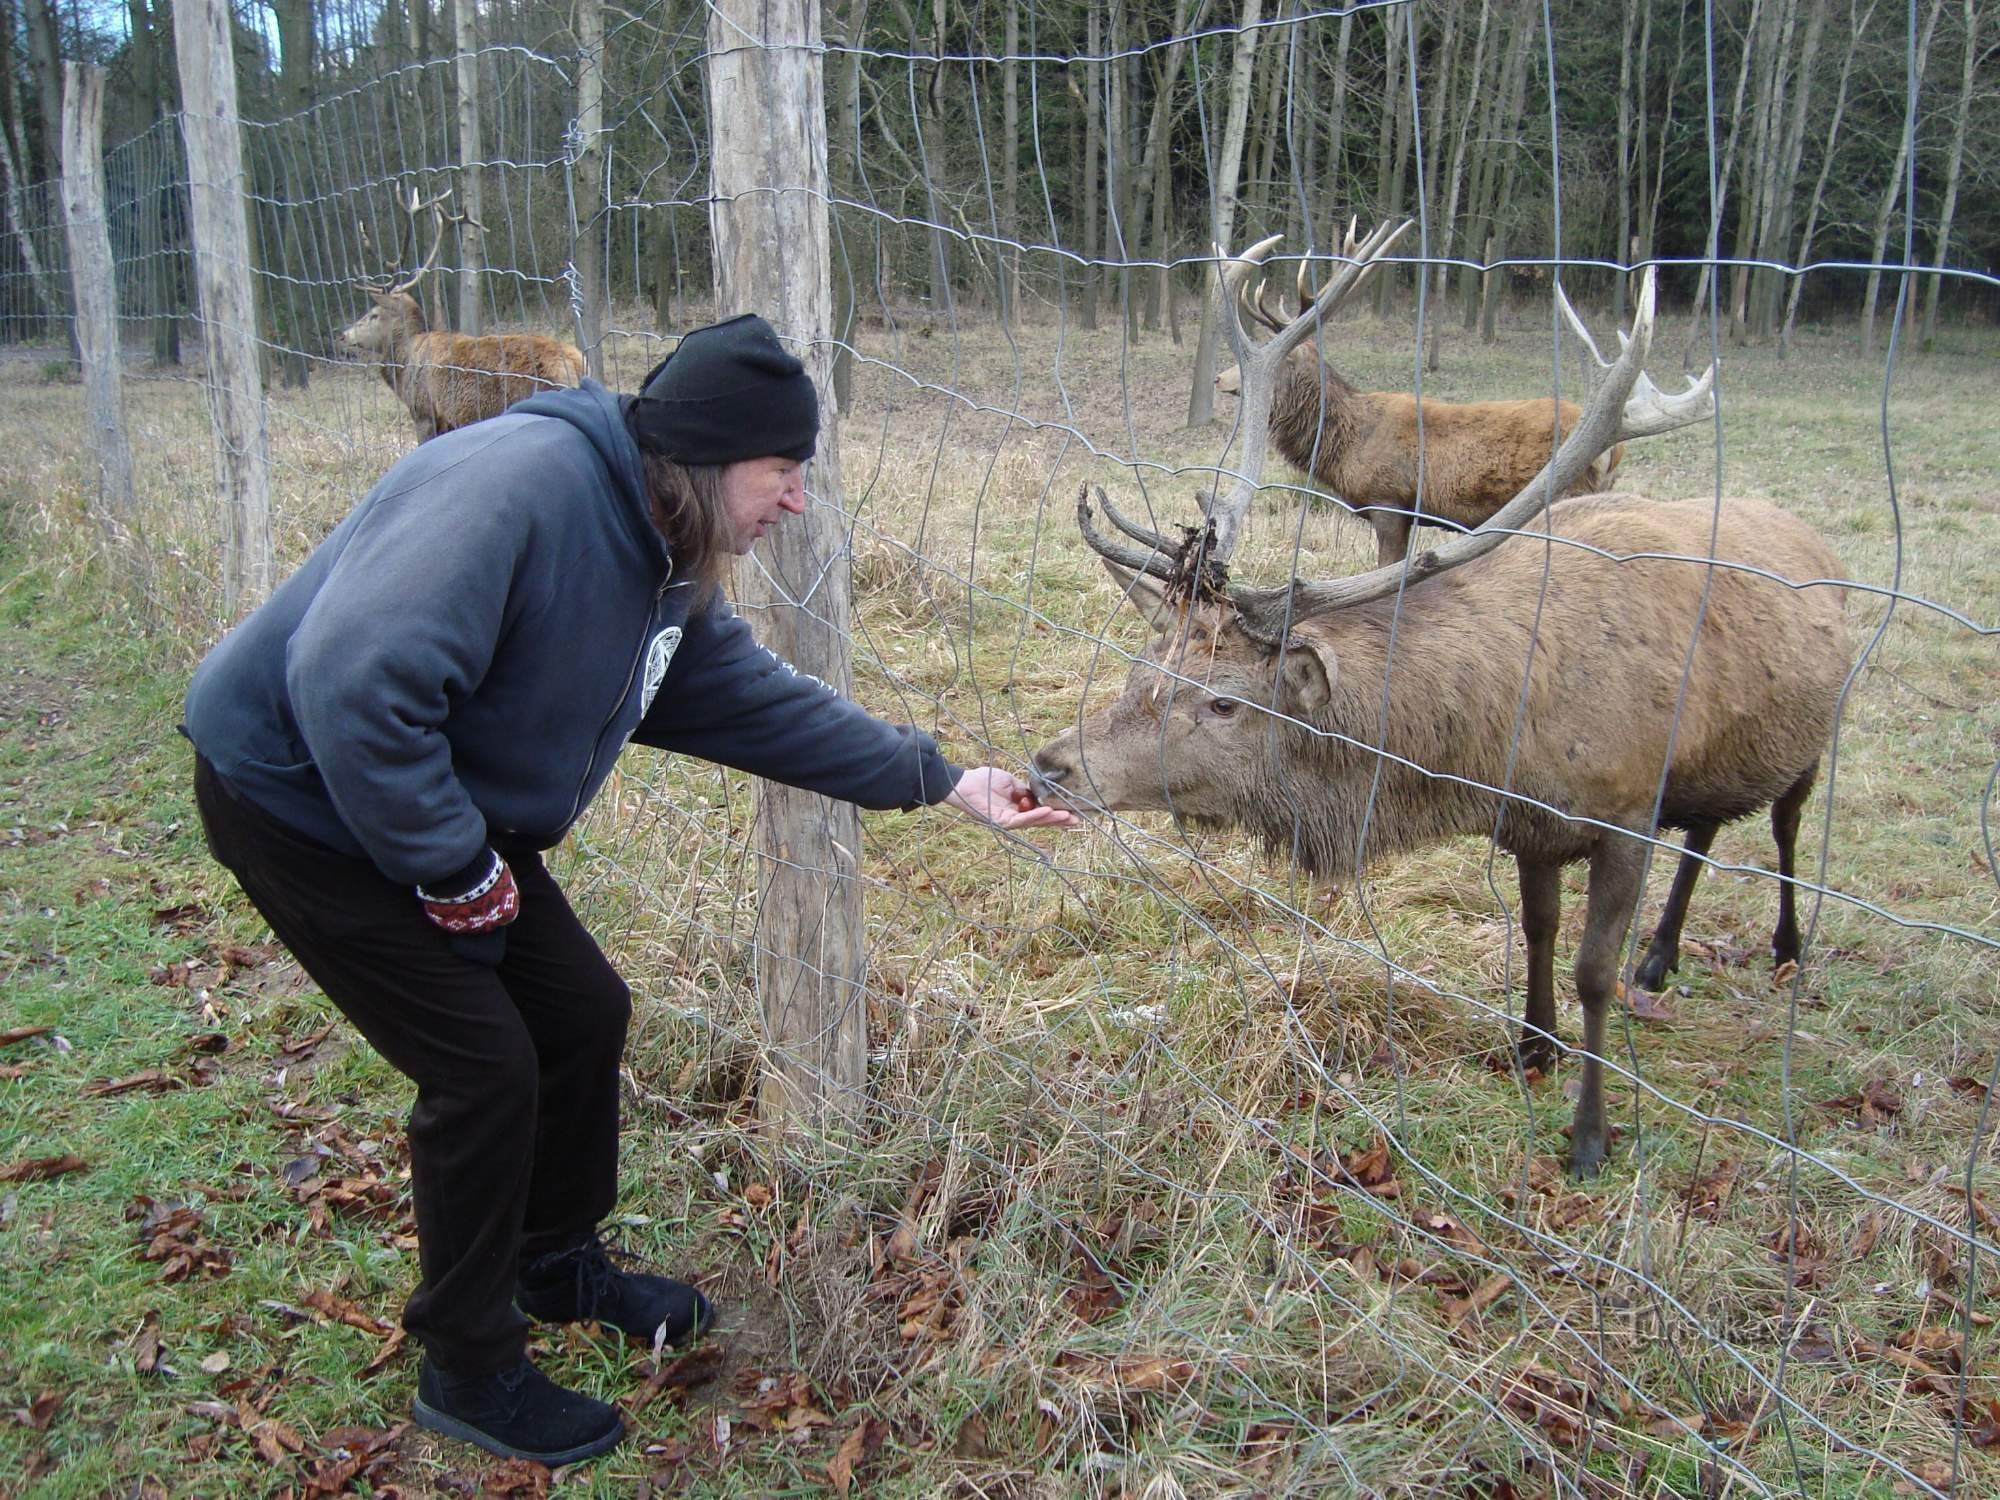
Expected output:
(1310, 671)
(1147, 595)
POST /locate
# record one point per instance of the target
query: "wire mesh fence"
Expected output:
(1206, 1168)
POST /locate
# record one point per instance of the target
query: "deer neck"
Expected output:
(1446, 710)
(1314, 413)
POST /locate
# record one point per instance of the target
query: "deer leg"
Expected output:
(1663, 954)
(1785, 829)
(1392, 535)
(1615, 869)
(1541, 911)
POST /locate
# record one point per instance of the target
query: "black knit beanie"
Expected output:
(727, 392)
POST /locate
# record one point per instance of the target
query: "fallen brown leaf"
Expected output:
(1484, 1296)
(41, 1167)
(146, 1344)
(854, 1450)
(40, 1411)
(153, 1080)
(1643, 1004)
(1981, 1209)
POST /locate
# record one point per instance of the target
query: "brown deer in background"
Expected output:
(1550, 669)
(449, 380)
(1364, 446)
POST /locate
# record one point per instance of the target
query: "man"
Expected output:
(386, 747)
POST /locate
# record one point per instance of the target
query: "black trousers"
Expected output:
(514, 1137)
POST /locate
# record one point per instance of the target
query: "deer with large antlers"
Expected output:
(1391, 458)
(449, 380)
(1564, 680)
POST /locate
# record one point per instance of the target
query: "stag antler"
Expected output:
(1259, 365)
(1189, 567)
(415, 210)
(1618, 409)
(1648, 410)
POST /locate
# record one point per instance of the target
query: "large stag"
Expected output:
(1550, 667)
(1391, 458)
(449, 380)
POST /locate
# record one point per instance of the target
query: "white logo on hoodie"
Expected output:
(659, 656)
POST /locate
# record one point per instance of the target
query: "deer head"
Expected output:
(1258, 364)
(395, 313)
(1623, 404)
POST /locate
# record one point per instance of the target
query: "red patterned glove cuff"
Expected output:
(493, 902)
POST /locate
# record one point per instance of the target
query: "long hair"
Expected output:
(686, 501)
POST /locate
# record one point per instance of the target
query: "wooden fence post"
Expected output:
(202, 44)
(90, 270)
(768, 122)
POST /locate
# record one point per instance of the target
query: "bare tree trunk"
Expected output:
(1698, 313)
(1338, 199)
(587, 184)
(1086, 189)
(1761, 161)
(471, 173)
(1954, 167)
(91, 273)
(1222, 208)
(1893, 192)
(1117, 233)
(1400, 23)
(1010, 180)
(45, 67)
(1154, 179)
(1629, 111)
(1510, 142)
(204, 43)
(809, 916)
(1492, 158)
(852, 22)
(1269, 93)
(1775, 232)
(13, 155)
(1857, 26)
(1447, 216)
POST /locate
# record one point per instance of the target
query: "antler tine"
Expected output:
(1237, 269)
(1649, 411)
(1614, 414)
(436, 206)
(1158, 563)
(1131, 528)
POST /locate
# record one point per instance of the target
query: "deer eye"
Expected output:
(1222, 708)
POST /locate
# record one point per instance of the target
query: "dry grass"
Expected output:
(1112, 1223)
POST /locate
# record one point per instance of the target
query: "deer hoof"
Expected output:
(1586, 1155)
(1653, 970)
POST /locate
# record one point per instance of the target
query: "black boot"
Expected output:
(578, 1282)
(517, 1413)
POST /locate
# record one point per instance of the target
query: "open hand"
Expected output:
(1003, 799)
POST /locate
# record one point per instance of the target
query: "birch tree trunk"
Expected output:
(91, 273)
(1010, 178)
(1448, 216)
(1697, 312)
(1954, 166)
(1222, 208)
(587, 184)
(203, 43)
(1086, 189)
(1857, 27)
(471, 174)
(772, 254)
(1776, 231)
(1893, 190)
